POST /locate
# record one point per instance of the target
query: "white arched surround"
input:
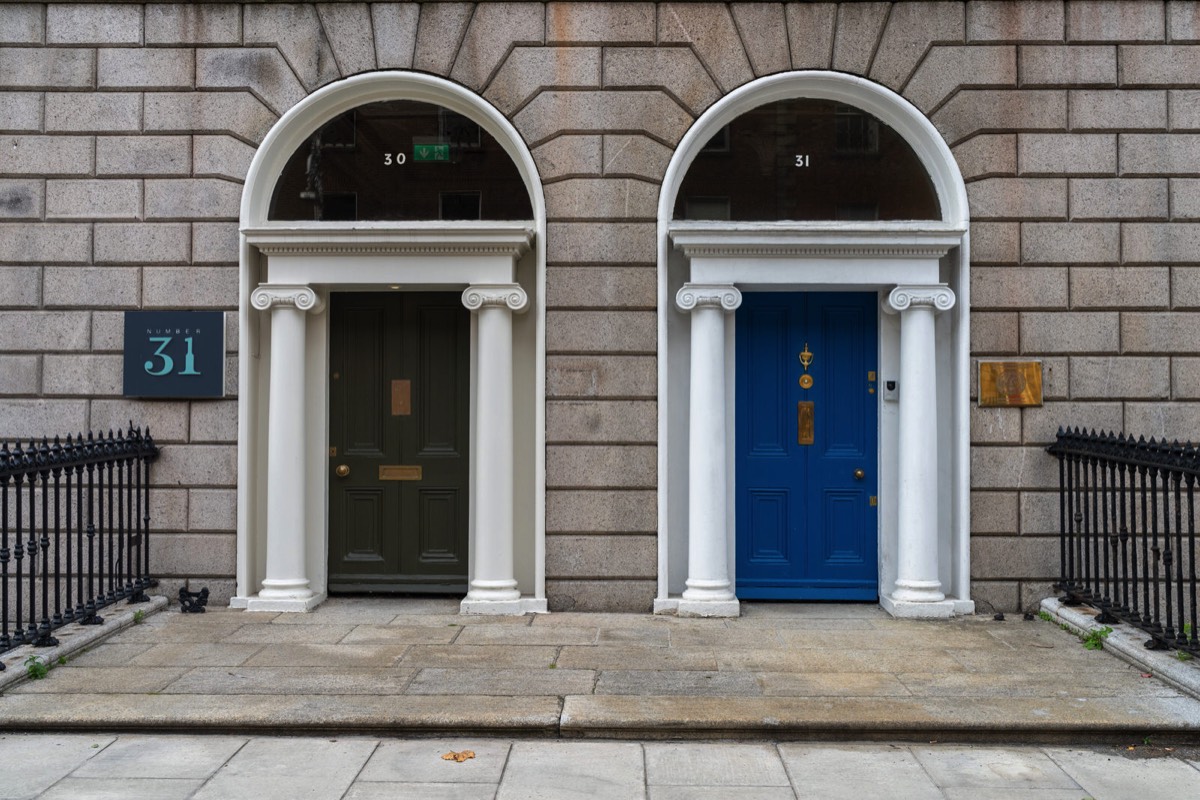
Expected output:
(290, 267)
(928, 261)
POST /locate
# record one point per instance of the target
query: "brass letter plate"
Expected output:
(804, 422)
(1010, 383)
(399, 472)
(401, 398)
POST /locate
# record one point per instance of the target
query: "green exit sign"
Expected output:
(431, 152)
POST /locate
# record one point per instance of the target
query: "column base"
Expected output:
(510, 608)
(707, 608)
(910, 609)
(265, 602)
(911, 591)
(504, 591)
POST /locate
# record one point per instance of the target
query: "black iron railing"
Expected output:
(1128, 532)
(74, 531)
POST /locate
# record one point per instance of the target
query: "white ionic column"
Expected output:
(918, 589)
(493, 587)
(285, 587)
(709, 592)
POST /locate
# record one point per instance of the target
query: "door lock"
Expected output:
(342, 470)
(859, 474)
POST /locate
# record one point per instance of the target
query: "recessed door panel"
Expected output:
(768, 422)
(439, 525)
(768, 527)
(364, 334)
(398, 459)
(806, 430)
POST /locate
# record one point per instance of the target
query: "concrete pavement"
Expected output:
(781, 671)
(170, 767)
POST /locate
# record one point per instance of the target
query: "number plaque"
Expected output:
(179, 354)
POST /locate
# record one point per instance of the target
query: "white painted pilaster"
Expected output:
(286, 585)
(493, 587)
(918, 591)
(709, 592)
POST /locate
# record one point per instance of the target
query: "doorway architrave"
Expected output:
(826, 256)
(379, 256)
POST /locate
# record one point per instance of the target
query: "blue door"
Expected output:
(807, 434)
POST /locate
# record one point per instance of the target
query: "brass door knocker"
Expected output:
(806, 358)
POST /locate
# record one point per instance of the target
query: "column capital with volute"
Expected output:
(724, 296)
(272, 295)
(483, 295)
(937, 296)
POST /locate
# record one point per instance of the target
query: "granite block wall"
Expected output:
(126, 131)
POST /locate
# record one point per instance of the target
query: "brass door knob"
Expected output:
(859, 474)
(342, 470)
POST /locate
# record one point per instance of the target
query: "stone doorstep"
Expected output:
(1128, 644)
(73, 638)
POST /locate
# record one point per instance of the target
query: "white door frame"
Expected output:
(290, 267)
(810, 256)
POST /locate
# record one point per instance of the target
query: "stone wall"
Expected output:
(126, 131)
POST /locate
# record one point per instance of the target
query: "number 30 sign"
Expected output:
(174, 354)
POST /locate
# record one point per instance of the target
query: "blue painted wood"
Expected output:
(805, 527)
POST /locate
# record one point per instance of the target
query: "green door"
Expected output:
(399, 389)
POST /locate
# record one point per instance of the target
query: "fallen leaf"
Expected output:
(460, 756)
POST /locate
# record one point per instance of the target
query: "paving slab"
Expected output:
(430, 713)
(813, 661)
(480, 656)
(104, 680)
(680, 682)
(420, 761)
(720, 793)
(990, 767)
(645, 637)
(832, 684)
(1112, 775)
(400, 634)
(616, 715)
(555, 636)
(362, 790)
(110, 655)
(122, 789)
(566, 771)
(289, 768)
(502, 681)
(158, 756)
(170, 632)
(323, 655)
(851, 772)
(646, 658)
(456, 620)
(1129, 682)
(290, 681)
(195, 654)
(739, 638)
(263, 633)
(43, 762)
(949, 636)
(704, 764)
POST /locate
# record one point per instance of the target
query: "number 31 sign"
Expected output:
(174, 354)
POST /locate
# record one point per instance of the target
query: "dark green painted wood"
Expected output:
(399, 536)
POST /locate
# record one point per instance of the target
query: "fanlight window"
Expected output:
(806, 159)
(400, 160)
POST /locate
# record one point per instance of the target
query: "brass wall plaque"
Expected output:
(401, 398)
(1010, 383)
(399, 472)
(804, 422)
